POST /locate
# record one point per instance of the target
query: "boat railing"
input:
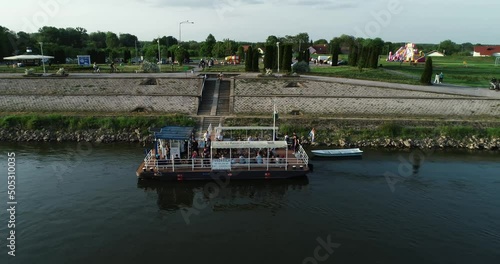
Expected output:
(183, 164)
(148, 160)
(199, 164)
(301, 154)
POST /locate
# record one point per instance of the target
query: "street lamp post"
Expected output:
(43, 62)
(159, 53)
(183, 22)
(278, 45)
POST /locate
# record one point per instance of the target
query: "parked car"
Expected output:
(340, 62)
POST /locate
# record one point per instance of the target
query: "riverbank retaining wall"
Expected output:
(340, 99)
(248, 96)
(96, 94)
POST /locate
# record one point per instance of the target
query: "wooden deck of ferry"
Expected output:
(290, 165)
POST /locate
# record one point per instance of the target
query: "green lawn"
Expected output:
(477, 73)
(366, 74)
(105, 68)
(227, 68)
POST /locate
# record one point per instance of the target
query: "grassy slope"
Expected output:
(478, 72)
(71, 123)
(57, 122)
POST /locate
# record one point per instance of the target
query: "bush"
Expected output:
(457, 132)
(301, 67)
(61, 71)
(426, 77)
(391, 130)
(73, 123)
(493, 132)
(147, 66)
(418, 132)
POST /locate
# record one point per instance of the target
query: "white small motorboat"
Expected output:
(352, 152)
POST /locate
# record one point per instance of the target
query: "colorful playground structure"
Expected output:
(232, 60)
(407, 53)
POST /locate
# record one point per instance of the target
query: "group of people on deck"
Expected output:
(259, 158)
(198, 151)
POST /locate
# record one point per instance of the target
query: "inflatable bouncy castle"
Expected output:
(407, 53)
(232, 60)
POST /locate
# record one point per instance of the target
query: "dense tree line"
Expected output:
(63, 43)
(103, 47)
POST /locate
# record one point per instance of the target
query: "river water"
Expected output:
(82, 203)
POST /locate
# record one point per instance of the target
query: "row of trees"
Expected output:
(65, 43)
(363, 53)
(279, 52)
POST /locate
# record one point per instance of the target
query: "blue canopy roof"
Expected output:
(174, 133)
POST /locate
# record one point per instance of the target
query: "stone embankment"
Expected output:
(163, 94)
(473, 143)
(97, 94)
(95, 135)
(108, 136)
(344, 99)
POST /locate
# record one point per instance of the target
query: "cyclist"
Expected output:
(96, 68)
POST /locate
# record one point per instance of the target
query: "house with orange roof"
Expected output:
(486, 51)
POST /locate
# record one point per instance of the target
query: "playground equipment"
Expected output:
(232, 60)
(407, 53)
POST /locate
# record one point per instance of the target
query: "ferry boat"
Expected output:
(172, 157)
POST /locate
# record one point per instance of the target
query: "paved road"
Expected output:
(436, 88)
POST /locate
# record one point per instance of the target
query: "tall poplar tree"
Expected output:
(269, 57)
(426, 77)
(335, 51)
(249, 59)
(287, 57)
(255, 60)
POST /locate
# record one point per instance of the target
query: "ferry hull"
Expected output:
(221, 175)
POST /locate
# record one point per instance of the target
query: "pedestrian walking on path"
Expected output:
(436, 79)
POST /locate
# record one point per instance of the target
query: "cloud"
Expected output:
(332, 4)
(196, 4)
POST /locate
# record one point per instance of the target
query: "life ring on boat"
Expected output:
(180, 177)
(267, 175)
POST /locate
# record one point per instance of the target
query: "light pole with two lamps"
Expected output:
(180, 23)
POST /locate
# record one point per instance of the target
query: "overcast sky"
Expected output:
(423, 21)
